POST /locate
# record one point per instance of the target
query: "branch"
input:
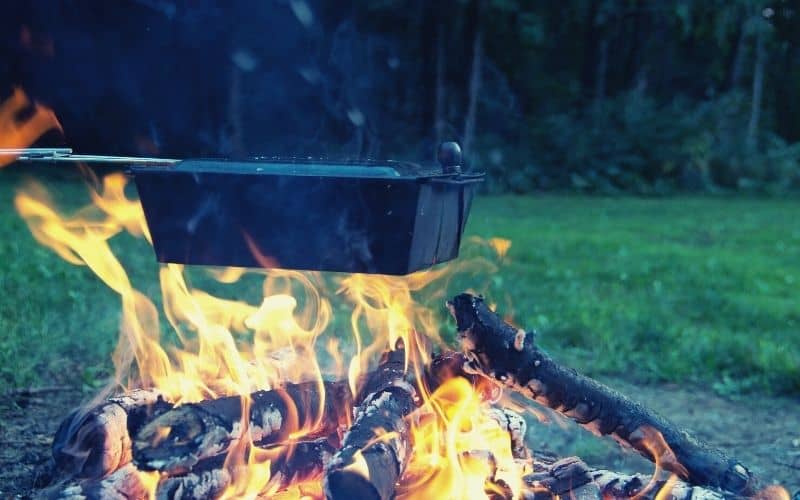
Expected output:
(509, 355)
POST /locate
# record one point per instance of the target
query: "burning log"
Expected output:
(125, 483)
(301, 461)
(494, 487)
(375, 449)
(92, 443)
(177, 440)
(509, 355)
(572, 478)
(513, 423)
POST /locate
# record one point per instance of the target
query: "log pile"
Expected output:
(358, 445)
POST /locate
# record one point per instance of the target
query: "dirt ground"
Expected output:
(763, 432)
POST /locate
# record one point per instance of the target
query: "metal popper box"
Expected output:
(384, 218)
(358, 217)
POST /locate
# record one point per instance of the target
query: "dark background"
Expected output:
(597, 95)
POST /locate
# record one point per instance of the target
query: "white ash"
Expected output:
(269, 422)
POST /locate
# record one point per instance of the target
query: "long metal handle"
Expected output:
(65, 155)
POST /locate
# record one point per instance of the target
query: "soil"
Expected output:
(762, 432)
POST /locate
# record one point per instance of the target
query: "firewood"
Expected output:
(513, 423)
(178, 439)
(572, 478)
(94, 442)
(375, 449)
(300, 461)
(124, 483)
(494, 487)
(510, 356)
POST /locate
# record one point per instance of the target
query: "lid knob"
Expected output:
(449, 156)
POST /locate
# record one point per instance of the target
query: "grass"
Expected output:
(683, 289)
(670, 290)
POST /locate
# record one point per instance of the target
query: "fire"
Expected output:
(457, 445)
(233, 347)
(226, 347)
(16, 133)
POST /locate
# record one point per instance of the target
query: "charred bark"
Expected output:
(375, 449)
(301, 461)
(509, 355)
(571, 478)
(177, 440)
(92, 443)
(123, 484)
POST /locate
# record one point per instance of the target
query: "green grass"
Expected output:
(700, 289)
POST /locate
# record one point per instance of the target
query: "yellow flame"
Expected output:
(447, 432)
(228, 347)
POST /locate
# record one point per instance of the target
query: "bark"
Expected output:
(302, 461)
(177, 440)
(513, 423)
(571, 478)
(737, 60)
(123, 484)
(602, 70)
(758, 91)
(94, 442)
(509, 355)
(376, 448)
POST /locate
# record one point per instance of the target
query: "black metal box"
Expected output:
(381, 218)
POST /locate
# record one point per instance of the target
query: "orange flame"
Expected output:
(16, 134)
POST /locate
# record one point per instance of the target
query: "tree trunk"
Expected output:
(439, 112)
(737, 65)
(758, 91)
(474, 86)
(602, 70)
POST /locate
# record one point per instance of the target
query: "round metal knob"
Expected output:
(449, 156)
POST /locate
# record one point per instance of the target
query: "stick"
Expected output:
(509, 355)
(571, 478)
(375, 449)
(92, 443)
(178, 439)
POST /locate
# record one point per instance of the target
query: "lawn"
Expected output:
(668, 290)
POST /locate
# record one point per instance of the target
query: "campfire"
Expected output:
(336, 386)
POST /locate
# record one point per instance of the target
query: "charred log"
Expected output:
(509, 355)
(93, 442)
(571, 478)
(515, 425)
(494, 487)
(177, 440)
(123, 484)
(375, 449)
(301, 461)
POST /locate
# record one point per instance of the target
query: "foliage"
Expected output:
(600, 95)
(631, 143)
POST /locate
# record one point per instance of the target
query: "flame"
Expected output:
(223, 347)
(20, 134)
(248, 465)
(451, 432)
